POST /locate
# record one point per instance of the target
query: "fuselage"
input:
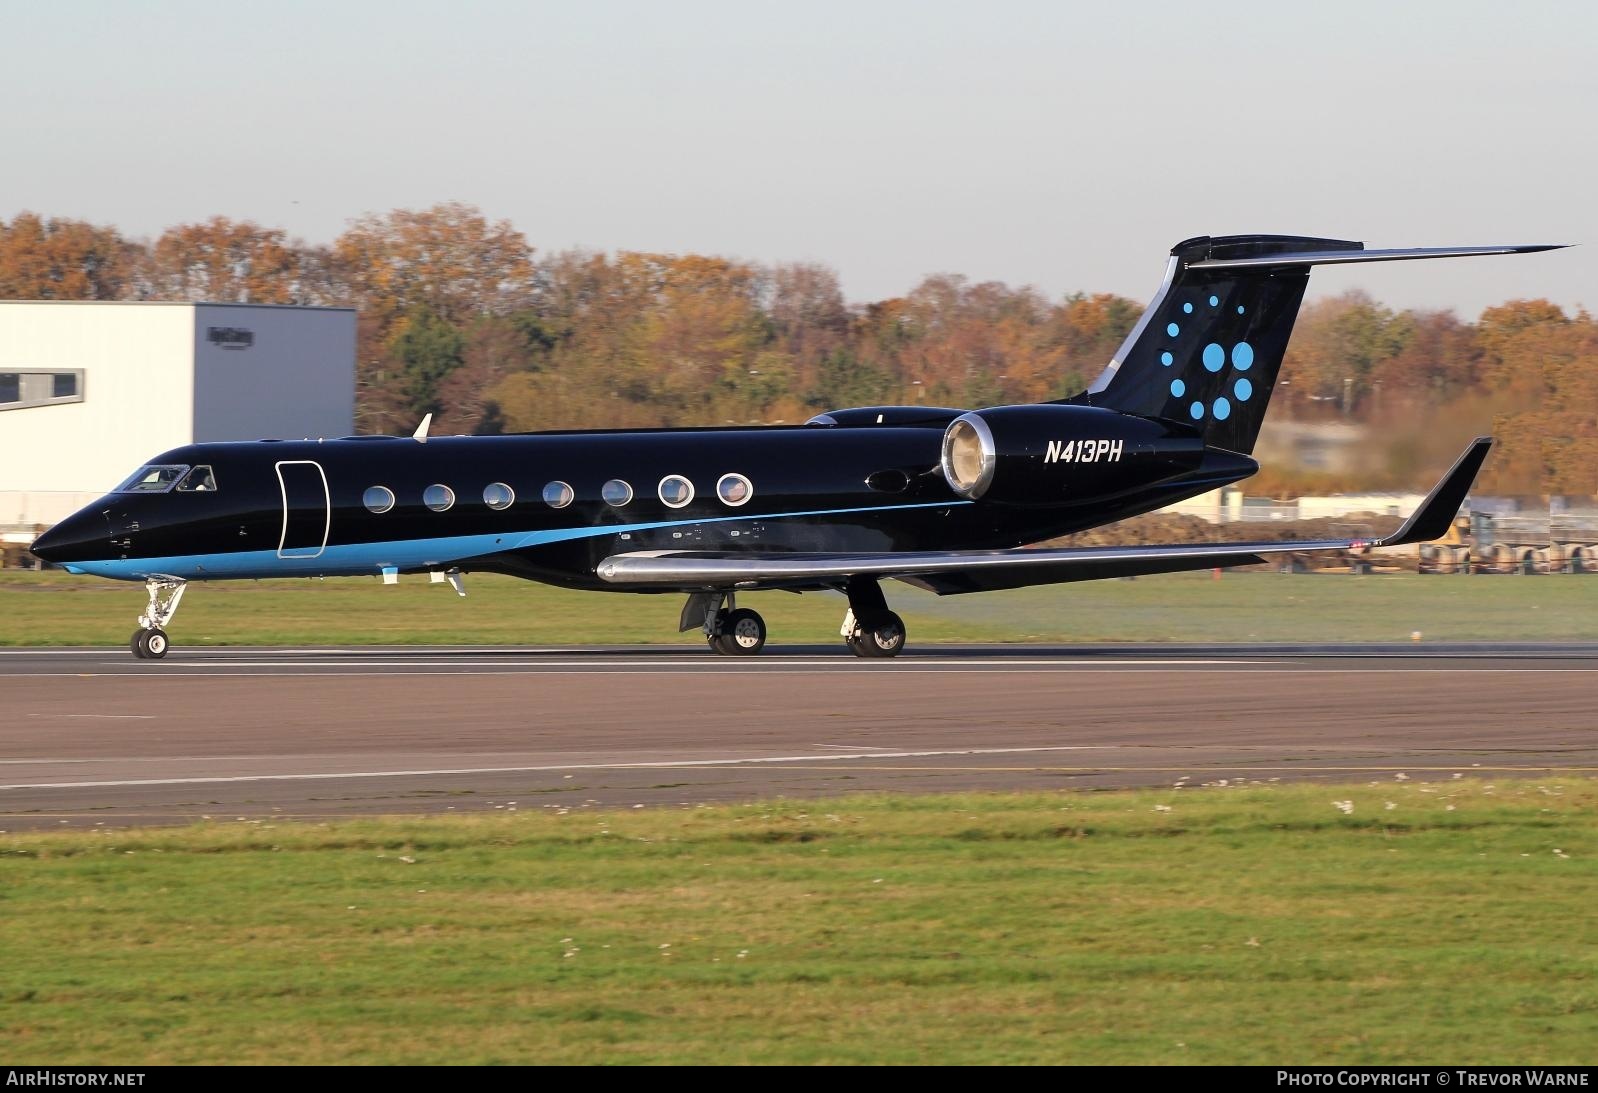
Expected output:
(551, 506)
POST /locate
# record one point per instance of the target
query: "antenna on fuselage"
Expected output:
(420, 435)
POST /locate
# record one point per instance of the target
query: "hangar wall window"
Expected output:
(498, 496)
(438, 498)
(616, 493)
(557, 495)
(23, 389)
(378, 498)
(734, 489)
(676, 491)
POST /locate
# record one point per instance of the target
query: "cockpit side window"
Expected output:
(156, 478)
(199, 480)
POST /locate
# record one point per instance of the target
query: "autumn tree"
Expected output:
(1091, 329)
(494, 348)
(1437, 362)
(809, 316)
(229, 261)
(60, 259)
(415, 273)
(448, 258)
(1339, 346)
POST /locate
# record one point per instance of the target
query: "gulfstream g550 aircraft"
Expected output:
(939, 498)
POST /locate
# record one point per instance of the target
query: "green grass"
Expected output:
(1255, 924)
(58, 609)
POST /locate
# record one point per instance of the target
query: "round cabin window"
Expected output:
(616, 493)
(734, 489)
(498, 496)
(378, 498)
(438, 498)
(557, 495)
(676, 491)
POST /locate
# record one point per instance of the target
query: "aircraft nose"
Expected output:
(80, 537)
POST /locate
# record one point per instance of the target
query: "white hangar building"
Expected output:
(89, 391)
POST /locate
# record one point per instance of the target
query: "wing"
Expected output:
(955, 571)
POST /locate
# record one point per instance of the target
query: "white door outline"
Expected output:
(327, 508)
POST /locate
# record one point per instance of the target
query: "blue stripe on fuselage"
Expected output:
(355, 559)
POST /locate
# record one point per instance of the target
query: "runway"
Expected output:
(94, 737)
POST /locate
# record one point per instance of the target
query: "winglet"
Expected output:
(1435, 514)
(421, 430)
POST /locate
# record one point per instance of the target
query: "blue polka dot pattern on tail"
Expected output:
(1215, 357)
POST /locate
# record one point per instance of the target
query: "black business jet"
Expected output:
(935, 497)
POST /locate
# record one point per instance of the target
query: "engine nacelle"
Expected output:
(1060, 455)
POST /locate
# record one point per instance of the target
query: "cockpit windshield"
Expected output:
(199, 480)
(157, 478)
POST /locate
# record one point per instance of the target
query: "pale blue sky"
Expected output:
(1059, 145)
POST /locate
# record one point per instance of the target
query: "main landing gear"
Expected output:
(149, 642)
(730, 630)
(869, 628)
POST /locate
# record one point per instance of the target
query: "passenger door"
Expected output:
(307, 509)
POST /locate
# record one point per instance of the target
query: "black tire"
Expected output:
(155, 644)
(740, 633)
(136, 643)
(885, 640)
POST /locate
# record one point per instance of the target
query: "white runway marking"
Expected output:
(667, 764)
(105, 716)
(692, 665)
(832, 672)
(323, 776)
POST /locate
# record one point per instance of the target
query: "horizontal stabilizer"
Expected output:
(1338, 257)
(956, 571)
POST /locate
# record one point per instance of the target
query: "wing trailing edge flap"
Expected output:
(956, 571)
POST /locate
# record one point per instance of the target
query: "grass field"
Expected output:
(1444, 923)
(55, 608)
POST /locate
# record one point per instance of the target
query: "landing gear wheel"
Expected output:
(149, 642)
(885, 640)
(740, 633)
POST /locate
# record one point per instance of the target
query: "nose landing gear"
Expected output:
(149, 642)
